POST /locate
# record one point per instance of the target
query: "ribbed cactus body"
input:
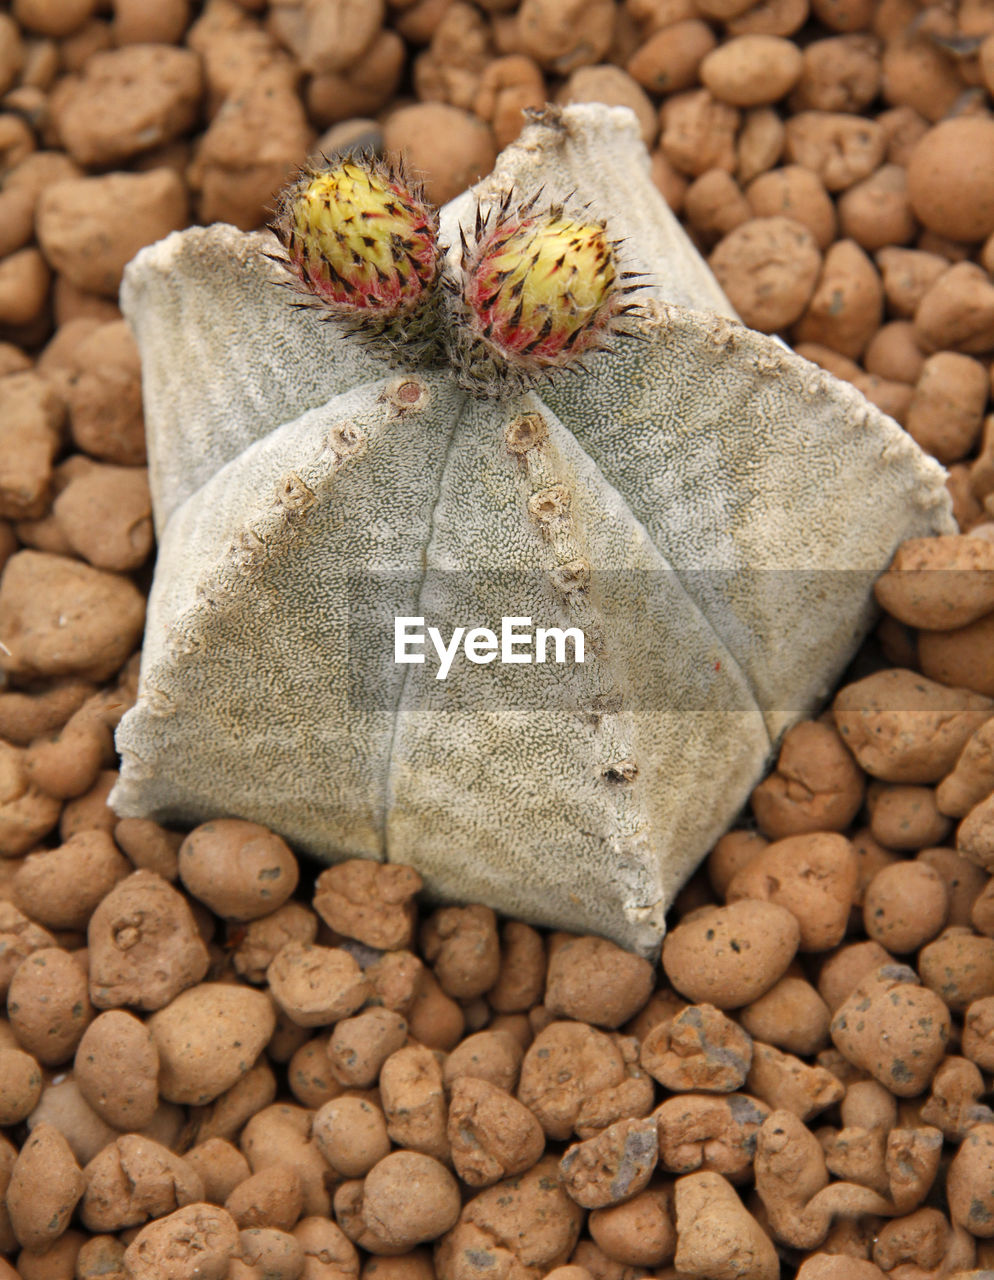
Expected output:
(707, 508)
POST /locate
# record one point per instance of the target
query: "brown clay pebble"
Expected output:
(260, 941)
(316, 985)
(521, 976)
(894, 1029)
(966, 883)
(698, 132)
(732, 852)
(89, 228)
(144, 947)
(814, 876)
(46, 19)
(409, 1198)
(950, 182)
(876, 212)
(564, 34)
(716, 1234)
(567, 1065)
(133, 1179)
(449, 146)
(939, 583)
(841, 149)
(61, 888)
(963, 658)
(106, 516)
(612, 1166)
(972, 778)
(893, 351)
(526, 1221)
(273, 1197)
(281, 1134)
(817, 786)
(840, 74)
(752, 70)
(33, 417)
(413, 1099)
(978, 1033)
(462, 946)
(956, 311)
(48, 1005)
(846, 308)
(351, 1134)
(359, 1046)
(59, 617)
(959, 967)
(491, 1135)
(902, 727)
(208, 1038)
(99, 1257)
(668, 60)
(327, 1251)
(702, 956)
(791, 1015)
(238, 869)
(640, 1232)
(905, 906)
(45, 1186)
(595, 981)
(782, 1080)
(370, 901)
(20, 1085)
(117, 1070)
(127, 101)
(714, 205)
(968, 1182)
(906, 818)
(792, 191)
(18, 938)
(699, 1051)
(947, 407)
(220, 1167)
(198, 1240)
(769, 268)
(493, 1055)
(309, 1075)
(104, 396)
(975, 836)
(274, 1253)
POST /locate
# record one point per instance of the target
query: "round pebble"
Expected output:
(702, 957)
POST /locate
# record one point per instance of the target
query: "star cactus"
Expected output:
(706, 508)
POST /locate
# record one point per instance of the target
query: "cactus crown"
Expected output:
(533, 291)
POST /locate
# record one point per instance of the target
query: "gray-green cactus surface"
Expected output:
(707, 507)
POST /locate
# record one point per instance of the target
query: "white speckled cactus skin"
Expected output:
(287, 464)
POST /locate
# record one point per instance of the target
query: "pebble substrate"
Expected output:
(209, 1068)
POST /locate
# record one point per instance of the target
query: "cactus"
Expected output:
(706, 508)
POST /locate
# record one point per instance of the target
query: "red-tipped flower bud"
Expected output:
(538, 291)
(362, 242)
